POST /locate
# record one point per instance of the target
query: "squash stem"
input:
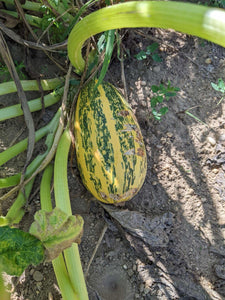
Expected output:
(58, 263)
(205, 22)
(62, 200)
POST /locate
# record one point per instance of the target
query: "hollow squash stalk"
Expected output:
(205, 22)
(62, 200)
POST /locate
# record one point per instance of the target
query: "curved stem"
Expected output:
(201, 21)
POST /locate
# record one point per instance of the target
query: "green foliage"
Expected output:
(217, 3)
(18, 250)
(106, 41)
(219, 87)
(150, 50)
(161, 93)
(56, 27)
(4, 72)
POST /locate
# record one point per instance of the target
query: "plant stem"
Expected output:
(22, 145)
(34, 105)
(16, 211)
(62, 200)
(30, 85)
(58, 263)
(207, 23)
(10, 181)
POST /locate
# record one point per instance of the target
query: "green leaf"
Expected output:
(156, 57)
(18, 249)
(155, 88)
(160, 99)
(154, 102)
(56, 230)
(141, 55)
(108, 55)
(220, 87)
(163, 110)
(152, 48)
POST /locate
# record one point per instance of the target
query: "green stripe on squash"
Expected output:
(110, 150)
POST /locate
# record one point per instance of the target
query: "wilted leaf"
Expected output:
(18, 249)
(56, 230)
(153, 231)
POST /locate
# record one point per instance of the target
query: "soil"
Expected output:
(180, 253)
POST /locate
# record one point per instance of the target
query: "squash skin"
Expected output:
(110, 150)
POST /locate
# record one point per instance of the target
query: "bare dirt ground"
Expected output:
(168, 241)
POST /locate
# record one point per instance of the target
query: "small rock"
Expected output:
(215, 170)
(208, 61)
(211, 140)
(125, 267)
(38, 276)
(169, 134)
(156, 69)
(31, 271)
(222, 137)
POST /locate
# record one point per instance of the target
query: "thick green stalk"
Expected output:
(34, 105)
(16, 211)
(205, 22)
(45, 189)
(22, 145)
(10, 181)
(62, 200)
(58, 263)
(30, 85)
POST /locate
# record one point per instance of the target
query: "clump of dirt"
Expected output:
(182, 199)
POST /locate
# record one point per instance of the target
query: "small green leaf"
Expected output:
(56, 230)
(141, 55)
(155, 88)
(152, 48)
(160, 99)
(220, 87)
(154, 102)
(18, 249)
(156, 57)
(163, 110)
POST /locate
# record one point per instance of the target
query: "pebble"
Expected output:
(211, 140)
(156, 69)
(208, 61)
(38, 276)
(169, 134)
(222, 137)
(125, 267)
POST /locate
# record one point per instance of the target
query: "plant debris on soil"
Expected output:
(168, 241)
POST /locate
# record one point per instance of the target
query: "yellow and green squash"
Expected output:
(110, 150)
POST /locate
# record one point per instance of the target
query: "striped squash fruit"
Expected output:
(110, 151)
